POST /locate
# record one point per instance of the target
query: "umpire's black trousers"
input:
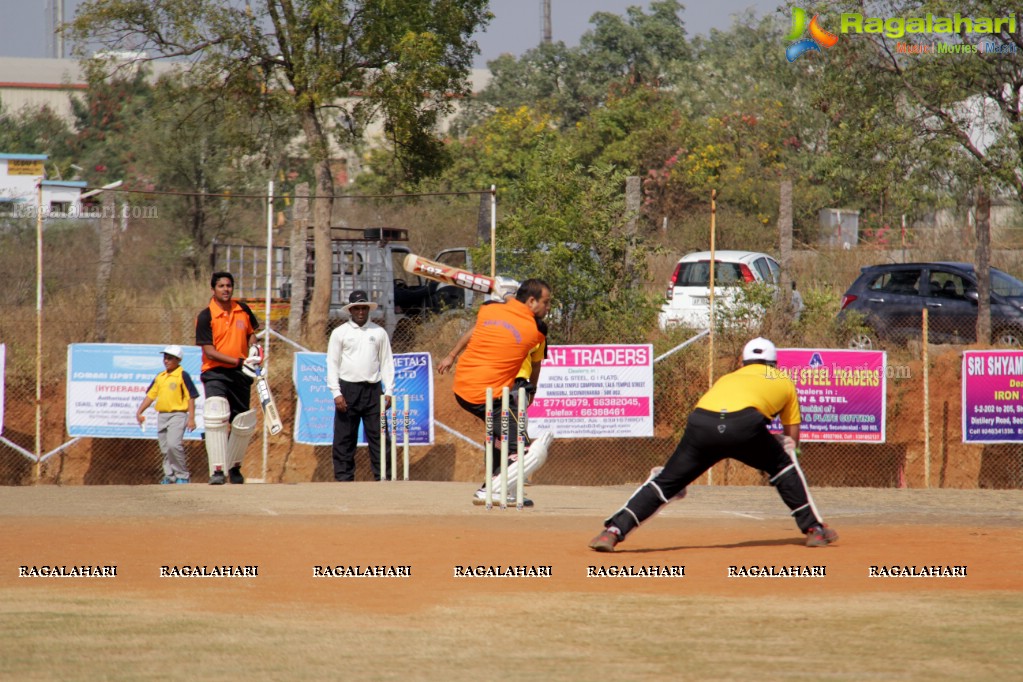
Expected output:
(363, 399)
(710, 437)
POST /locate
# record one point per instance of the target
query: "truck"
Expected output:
(370, 259)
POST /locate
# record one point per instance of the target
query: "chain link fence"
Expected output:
(923, 445)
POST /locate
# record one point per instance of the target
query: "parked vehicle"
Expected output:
(688, 295)
(891, 299)
(370, 259)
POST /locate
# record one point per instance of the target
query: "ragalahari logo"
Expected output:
(818, 36)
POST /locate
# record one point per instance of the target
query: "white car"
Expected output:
(688, 295)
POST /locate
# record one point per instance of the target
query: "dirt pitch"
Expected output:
(287, 624)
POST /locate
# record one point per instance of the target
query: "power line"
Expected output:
(228, 195)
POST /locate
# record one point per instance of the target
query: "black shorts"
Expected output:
(232, 384)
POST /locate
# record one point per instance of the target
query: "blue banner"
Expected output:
(314, 411)
(106, 383)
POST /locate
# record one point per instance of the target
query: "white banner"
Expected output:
(595, 392)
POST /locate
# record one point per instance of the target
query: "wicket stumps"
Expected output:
(488, 476)
(405, 423)
(394, 436)
(519, 473)
(520, 451)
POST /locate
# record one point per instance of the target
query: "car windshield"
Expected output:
(698, 274)
(1006, 285)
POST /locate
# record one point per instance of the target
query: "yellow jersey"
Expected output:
(756, 385)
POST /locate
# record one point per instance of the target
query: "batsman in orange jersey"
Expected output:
(503, 336)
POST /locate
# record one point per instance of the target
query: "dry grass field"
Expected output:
(284, 623)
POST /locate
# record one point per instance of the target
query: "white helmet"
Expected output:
(759, 350)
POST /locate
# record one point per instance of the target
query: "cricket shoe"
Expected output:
(606, 541)
(235, 474)
(480, 498)
(820, 536)
(218, 478)
(655, 472)
(182, 480)
(166, 480)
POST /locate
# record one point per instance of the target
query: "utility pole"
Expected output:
(547, 33)
(56, 37)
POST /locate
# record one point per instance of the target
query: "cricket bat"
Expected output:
(448, 274)
(271, 417)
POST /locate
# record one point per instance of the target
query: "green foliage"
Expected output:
(910, 127)
(38, 131)
(106, 117)
(744, 310)
(567, 227)
(617, 55)
(199, 148)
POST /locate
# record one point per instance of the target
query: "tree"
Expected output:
(331, 66)
(38, 131)
(617, 55)
(568, 226)
(105, 118)
(199, 151)
(962, 110)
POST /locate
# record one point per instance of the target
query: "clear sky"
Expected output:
(517, 24)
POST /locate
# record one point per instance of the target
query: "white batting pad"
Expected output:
(242, 428)
(536, 457)
(216, 413)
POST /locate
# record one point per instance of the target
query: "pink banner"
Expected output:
(590, 407)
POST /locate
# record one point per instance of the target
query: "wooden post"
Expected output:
(710, 302)
(106, 265)
(633, 199)
(785, 241)
(927, 402)
(297, 243)
(710, 295)
(983, 227)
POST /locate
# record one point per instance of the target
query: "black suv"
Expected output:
(891, 298)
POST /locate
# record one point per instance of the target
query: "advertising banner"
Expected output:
(842, 393)
(604, 391)
(314, 412)
(106, 382)
(992, 382)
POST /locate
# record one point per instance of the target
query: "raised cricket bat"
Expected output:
(448, 274)
(271, 417)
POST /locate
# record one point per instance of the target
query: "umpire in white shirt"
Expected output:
(360, 368)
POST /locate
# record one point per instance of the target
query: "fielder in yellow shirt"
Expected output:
(731, 420)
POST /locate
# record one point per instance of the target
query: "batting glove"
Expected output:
(251, 365)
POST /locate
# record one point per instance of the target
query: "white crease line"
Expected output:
(748, 516)
(271, 512)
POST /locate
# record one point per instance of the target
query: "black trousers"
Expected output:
(231, 384)
(708, 438)
(479, 410)
(363, 407)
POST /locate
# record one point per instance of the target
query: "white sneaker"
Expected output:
(480, 498)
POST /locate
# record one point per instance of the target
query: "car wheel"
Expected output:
(1013, 338)
(863, 341)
